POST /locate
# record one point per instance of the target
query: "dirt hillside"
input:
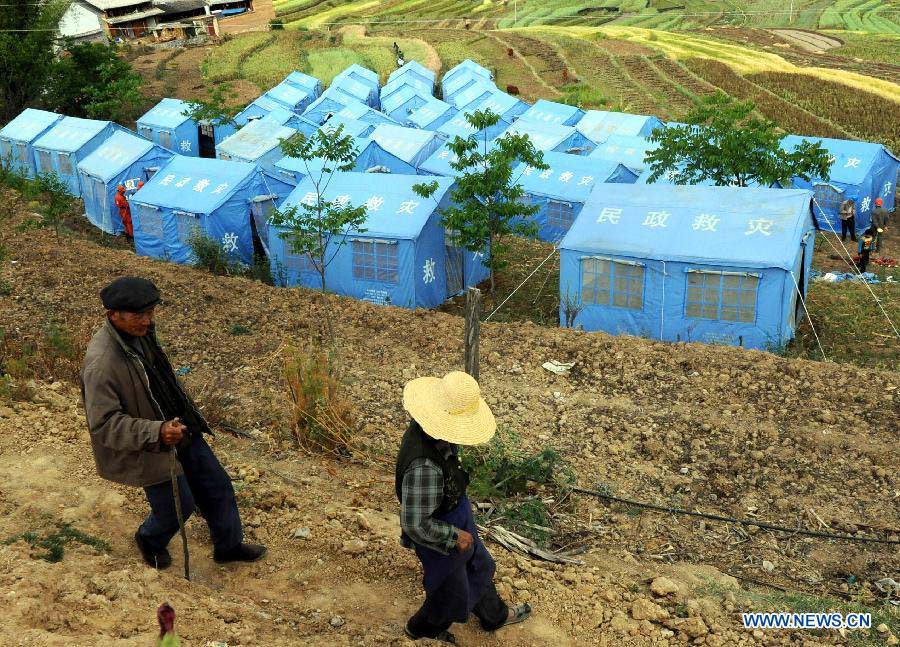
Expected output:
(741, 433)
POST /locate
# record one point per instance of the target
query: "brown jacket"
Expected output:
(122, 416)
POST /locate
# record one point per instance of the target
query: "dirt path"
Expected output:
(809, 41)
(432, 59)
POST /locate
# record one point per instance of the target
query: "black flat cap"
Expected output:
(130, 294)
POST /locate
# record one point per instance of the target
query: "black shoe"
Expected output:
(444, 636)
(156, 559)
(240, 553)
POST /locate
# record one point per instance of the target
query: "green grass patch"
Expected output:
(226, 59)
(584, 96)
(325, 64)
(54, 542)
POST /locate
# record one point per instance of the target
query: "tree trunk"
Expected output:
(472, 331)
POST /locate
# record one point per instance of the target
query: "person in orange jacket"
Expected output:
(124, 210)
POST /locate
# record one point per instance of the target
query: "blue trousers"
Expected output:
(205, 486)
(459, 583)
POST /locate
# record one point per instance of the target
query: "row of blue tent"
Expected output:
(614, 259)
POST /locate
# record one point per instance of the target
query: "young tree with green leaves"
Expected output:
(724, 142)
(311, 226)
(487, 199)
(90, 80)
(218, 107)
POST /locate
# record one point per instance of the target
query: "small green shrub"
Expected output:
(209, 255)
(55, 542)
(238, 329)
(276, 24)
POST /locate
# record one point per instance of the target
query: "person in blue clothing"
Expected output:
(866, 246)
(435, 514)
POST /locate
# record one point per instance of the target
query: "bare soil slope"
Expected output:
(717, 429)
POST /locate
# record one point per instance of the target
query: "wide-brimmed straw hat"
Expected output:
(450, 408)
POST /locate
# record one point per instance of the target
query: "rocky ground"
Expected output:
(741, 433)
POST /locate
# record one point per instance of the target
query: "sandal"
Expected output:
(444, 636)
(520, 614)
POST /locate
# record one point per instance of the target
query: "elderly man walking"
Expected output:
(435, 514)
(138, 412)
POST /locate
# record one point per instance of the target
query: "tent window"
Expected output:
(149, 221)
(260, 209)
(165, 139)
(146, 132)
(610, 283)
(22, 152)
(65, 163)
(560, 215)
(298, 262)
(828, 198)
(721, 296)
(188, 225)
(45, 161)
(5, 149)
(375, 261)
(207, 130)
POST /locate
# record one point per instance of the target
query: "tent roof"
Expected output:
(28, 124)
(627, 149)
(118, 152)
(501, 103)
(412, 67)
(364, 72)
(395, 211)
(570, 177)
(407, 81)
(543, 136)
(400, 97)
(288, 94)
(353, 127)
(255, 139)
(467, 68)
(70, 134)
(404, 143)
(205, 184)
(598, 125)
(458, 126)
(168, 113)
(551, 112)
(475, 93)
(427, 113)
(302, 80)
(853, 160)
(350, 88)
(756, 228)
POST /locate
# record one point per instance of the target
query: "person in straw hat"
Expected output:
(435, 514)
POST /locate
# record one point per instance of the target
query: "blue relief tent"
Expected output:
(292, 97)
(259, 142)
(395, 149)
(401, 104)
(461, 76)
(433, 114)
(359, 83)
(223, 200)
(507, 106)
(438, 163)
(598, 125)
(124, 159)
(629, 150)
(330, 103)
(311, 84)
(861, 170)
(714, 264)
(402, 258)
(257, 109)
(413, 73)
(361, 112)
(550, 112)
(293, 170)
(473, 95)
(353, 127)
(545, 137)
(17, 137)
(168, 125)
(562, 190)
(284, 117)
(459, 126)
(61, 148)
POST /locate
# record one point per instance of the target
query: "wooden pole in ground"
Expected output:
(178, 512)
(473, 331)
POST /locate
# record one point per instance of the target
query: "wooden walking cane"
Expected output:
(178, 512)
